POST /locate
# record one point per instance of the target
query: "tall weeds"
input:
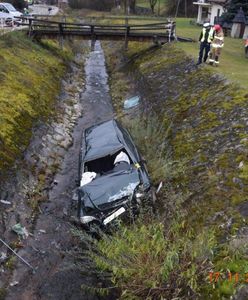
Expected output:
(151, 136)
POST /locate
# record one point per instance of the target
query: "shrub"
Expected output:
(91, 4)
(149, 261)
(150, 134)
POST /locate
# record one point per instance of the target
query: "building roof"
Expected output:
(200, 3)
(209, 2)
(239, 17)
(218, 1)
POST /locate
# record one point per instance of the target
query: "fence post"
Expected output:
(30, 27)
(174, 30)
(93, 37)
(63, 20)
(126, 33)
(61, 41)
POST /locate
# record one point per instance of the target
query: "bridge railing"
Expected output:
(39, 24)
(39, 28)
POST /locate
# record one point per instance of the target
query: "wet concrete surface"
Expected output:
(49, 249)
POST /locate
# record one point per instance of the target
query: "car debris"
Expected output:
(14, 283)
(159, 187)
(3, 256)
(113, 177)
(22, 259)
(20, 230)
(132, 102)
(5, 202)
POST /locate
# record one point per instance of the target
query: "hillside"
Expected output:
(30, 77)
(192, 131)
(191, 128)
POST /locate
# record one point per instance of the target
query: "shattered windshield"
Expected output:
(111, 187)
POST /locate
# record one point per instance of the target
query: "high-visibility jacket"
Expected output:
(206, 35)
(218, 41)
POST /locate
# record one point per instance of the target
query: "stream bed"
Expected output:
(53, 158)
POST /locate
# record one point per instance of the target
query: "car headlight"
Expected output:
(139, 195)
(87, 219)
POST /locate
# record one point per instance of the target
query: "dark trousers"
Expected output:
(204, 50)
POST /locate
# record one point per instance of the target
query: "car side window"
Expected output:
(3, 9)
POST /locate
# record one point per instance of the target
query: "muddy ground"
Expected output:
(48, 177)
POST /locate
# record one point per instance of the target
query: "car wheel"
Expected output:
(94, 228)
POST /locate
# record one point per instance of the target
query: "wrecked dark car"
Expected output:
(113, 177)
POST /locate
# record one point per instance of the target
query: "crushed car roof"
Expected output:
(102, 139)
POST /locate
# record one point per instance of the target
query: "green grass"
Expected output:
(146, 3)
(233, 64)
(143, 3)
(30, 76)
(149, 261)
(199, 113)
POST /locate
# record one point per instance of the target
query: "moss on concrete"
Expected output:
(30, 77)
(3, 293)
(208, 118)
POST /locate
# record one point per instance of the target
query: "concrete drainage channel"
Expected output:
(51, 168)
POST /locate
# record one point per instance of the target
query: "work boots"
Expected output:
(211, 60)
(216, 62)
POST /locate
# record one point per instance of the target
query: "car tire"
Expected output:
(94, 229)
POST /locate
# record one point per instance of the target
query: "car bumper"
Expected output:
(108, 218)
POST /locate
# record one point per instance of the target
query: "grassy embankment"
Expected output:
(30, 75)
(233, 64)
(194, 139)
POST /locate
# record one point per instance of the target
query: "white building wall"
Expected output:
(235, 32)
(214, 12)
(245, 36)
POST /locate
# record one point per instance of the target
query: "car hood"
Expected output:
(109, 188)
(15, 14)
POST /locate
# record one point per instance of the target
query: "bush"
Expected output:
(18, 4)
(91, 4)
(151, 134)
(148, 261)
(30, 76)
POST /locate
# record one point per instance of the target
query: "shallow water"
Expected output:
(48, 250)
